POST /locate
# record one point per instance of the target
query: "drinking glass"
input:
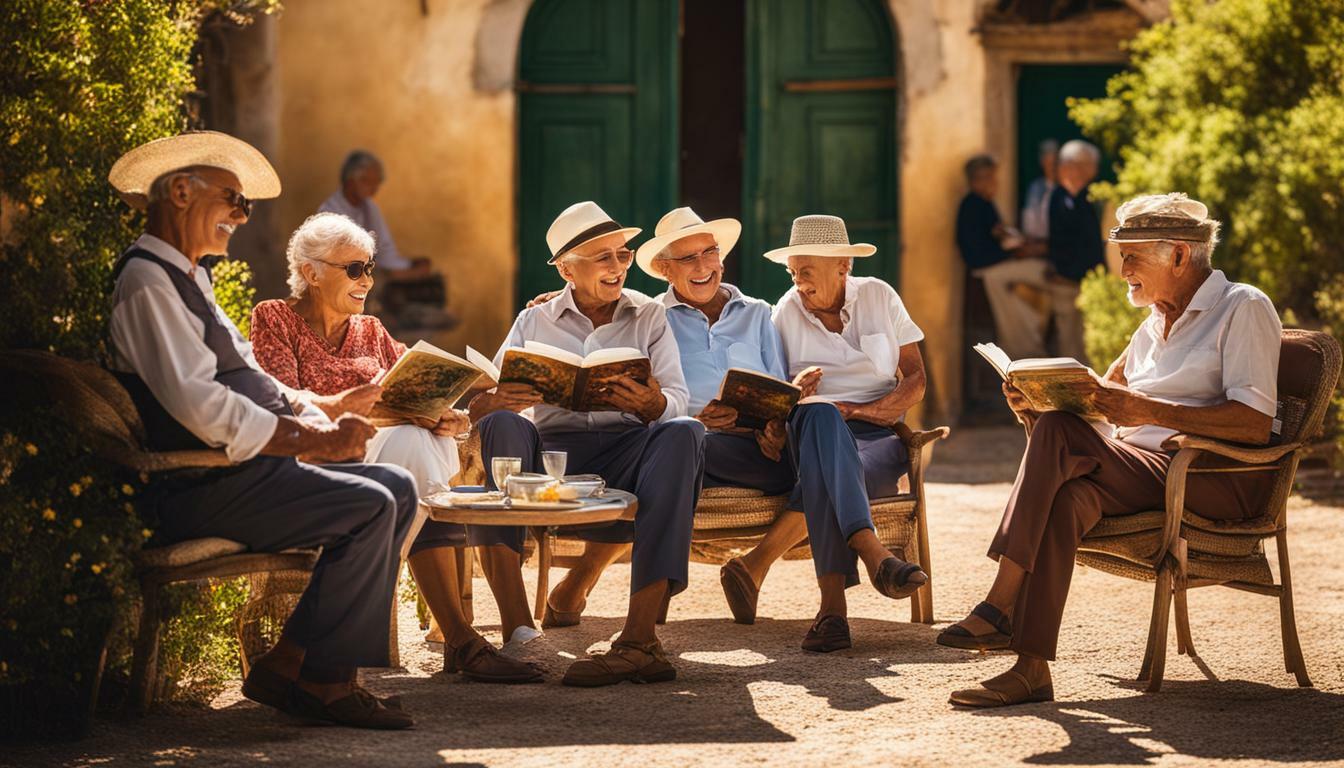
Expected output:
(554, 462)
(503, 466)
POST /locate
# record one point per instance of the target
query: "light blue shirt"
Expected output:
(744, 337)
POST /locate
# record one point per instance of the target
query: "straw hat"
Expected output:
(582, 223)
(819, 235)
(135, 171)
(684, 222)
(1154, 218)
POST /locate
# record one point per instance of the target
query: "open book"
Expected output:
(1044, 380)
(757, 397)
(567, 380)
(426, 381)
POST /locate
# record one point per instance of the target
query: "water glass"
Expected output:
(554, 462)
(503, 466)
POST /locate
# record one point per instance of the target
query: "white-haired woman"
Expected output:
(319, 340)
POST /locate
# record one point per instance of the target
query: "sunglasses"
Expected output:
(354, 269)
(231, 196)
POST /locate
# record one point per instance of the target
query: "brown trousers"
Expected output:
(1071, 476)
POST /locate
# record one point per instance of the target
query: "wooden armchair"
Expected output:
(1180, 550)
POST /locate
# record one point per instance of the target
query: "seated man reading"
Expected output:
(1205, 362)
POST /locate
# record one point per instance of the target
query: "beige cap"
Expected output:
(1172, 216)
(820, 235)
(135, 171)
(684, 222)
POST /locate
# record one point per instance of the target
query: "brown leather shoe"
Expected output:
(1003, 691)
(897, 579)
(740, 589)
(478, 660)
(636, 662)
(828, 633)
(358, 710)
(553, 618)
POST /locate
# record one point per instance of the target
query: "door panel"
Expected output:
(821, 129)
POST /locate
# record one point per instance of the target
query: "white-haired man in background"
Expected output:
(1074, 246)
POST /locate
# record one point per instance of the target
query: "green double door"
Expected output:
(599, 100)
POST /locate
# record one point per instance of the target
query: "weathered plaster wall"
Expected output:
(387, 78)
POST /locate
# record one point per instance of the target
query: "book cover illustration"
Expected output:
(426, 381)
(567, 380)
(757, 397)
(1046, 382)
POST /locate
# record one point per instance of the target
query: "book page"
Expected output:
(485, 365)
(611, 355)
(425, 384)
(1045, 364)
(555, 353)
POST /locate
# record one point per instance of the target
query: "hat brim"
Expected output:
(855, 251)
(725, 231)
(626, 232)
(134, 172)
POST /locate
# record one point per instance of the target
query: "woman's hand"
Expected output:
(808, 380)
(542, 298)
(717, 416)
(646, 401)
(358, 400)
(771, 439)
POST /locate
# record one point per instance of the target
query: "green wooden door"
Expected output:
(821, 131)
(1043, 91)
(597, 121)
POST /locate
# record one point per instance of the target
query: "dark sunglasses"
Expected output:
(231, 196)
(354, 269)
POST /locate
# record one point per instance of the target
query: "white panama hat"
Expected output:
(582, 223)
(684, 222)
(134, 172)
(820, 235)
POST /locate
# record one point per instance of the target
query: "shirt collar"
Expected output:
(670, 300)
(846, 311)
(555, 308)
(164, 251)
(1209, 292)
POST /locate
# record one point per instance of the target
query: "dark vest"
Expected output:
(164, 432)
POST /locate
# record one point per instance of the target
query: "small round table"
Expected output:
(612, 506)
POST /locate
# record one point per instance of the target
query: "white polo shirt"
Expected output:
(858, 364)
(1224, 347)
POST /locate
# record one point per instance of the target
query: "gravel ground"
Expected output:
(749, 695)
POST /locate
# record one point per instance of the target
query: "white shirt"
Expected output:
(1224, 347)
(638, 322)
(155, 336)
(859, 364)
(368, 216)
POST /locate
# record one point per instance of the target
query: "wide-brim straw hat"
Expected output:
(820, 235)
(684, 222)
(1159, 218)
(134, 172)
(582, 223)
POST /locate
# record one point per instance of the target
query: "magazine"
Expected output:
(757, 397)
(567, 380)
(427, 381)
(1045, 381)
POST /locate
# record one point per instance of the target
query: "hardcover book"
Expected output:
(427, 381)
(757, 397)
(1045, 381)
(567, 380)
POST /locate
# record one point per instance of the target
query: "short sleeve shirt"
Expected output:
(1224, 347)
(859, 364)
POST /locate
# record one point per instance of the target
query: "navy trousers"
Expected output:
(662, 465)
(358, 513)
(841, 465)
(734, 460)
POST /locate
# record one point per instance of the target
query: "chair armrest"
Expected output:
(161, 461)
(1244, 453)
(915, 440)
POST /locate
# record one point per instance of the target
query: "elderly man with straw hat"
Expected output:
(638, 441)
(196, 384)
(1204, 362)
(858, 332)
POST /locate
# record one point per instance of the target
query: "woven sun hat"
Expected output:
(1155, 218)
(582, 223)
(135, 171)
(684, 222)
(819, 235)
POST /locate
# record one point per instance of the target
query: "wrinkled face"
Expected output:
(1148, 268)
(332, 287)
(597, 269)
(366, 181)
(820, 280)
(985, 183)
(210, 209)
(693, 266)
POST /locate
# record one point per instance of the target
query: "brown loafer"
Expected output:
(267, 687)
(356, 711)
(897, 579)
(1003, 691)
(740, 589)
(828, 633)
(636, 662)
(553, 618)
(478, 660)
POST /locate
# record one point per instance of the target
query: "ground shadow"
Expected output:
(1204, 719)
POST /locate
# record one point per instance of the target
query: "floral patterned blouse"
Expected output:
(290, 350)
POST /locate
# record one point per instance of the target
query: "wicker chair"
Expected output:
(742, 516)
(1179, 550)
(92, 402)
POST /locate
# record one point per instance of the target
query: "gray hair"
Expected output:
(317, 236)
(162, 187)
(1079, 151)
(1047, 147)
(977, 164)
(357, 161)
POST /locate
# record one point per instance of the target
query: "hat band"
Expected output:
(597, 230)
(1197, 234)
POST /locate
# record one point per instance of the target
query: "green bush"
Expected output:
(234, 292)
(1330, 307)
(1109, 320)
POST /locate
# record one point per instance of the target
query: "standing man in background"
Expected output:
(1075, 245)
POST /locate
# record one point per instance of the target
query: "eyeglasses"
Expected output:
(354, 269)
(711, 252)
(623, 256)
(231, 196)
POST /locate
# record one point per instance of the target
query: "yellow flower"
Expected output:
(86, 481)
(97, 568)
(48, 514)
(129, 507)
(146, 532)
(70, 599)
(75, 557)
(67, 632)
(78, 523)
(75, 489)
(31, 449)
(127, 489)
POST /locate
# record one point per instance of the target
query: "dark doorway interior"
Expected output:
(713, 110)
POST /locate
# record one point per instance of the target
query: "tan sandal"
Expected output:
(553, 617)
(1003, 691)
(636, 662)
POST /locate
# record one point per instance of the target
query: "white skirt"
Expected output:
(430, 458)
